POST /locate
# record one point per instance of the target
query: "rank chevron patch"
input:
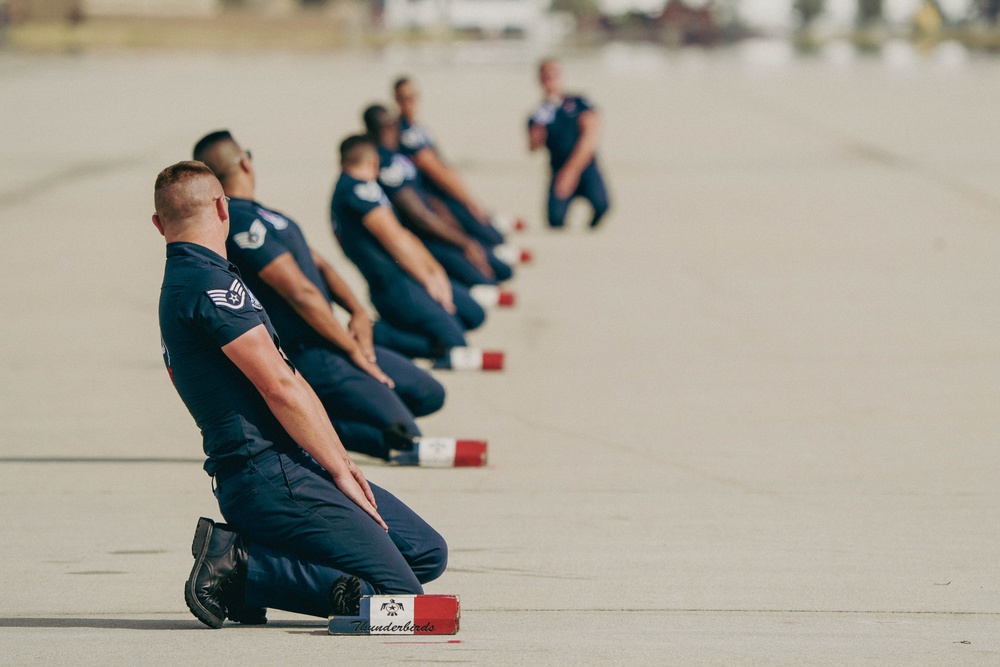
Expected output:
(252, 239)
(369, 191)
(232, 298)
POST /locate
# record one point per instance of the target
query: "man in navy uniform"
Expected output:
(569, 127)
(440, 177)
(305, 513)
(463, 257)
(423, 312)
(371, 393)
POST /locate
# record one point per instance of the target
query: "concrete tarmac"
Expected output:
(752, 420)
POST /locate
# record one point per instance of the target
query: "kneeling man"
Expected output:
(283, 478)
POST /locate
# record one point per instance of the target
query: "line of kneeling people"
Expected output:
(281, 389)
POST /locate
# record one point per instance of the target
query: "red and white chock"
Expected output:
(488, 296)
(401, 615)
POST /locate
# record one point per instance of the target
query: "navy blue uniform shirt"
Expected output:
(396, 171)
(353, 199)
(204, 305)
(258, 236)
(413, 138)
(562, 125)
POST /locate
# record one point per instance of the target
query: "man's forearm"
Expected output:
(416, 211)
(444, 176)
(313, 307)
(413, 256)
(536, 137)
(297, 408)
(586, 146)
(301, 413)
(289, 398)
(340, 291)
(582, 155)
(402, 245)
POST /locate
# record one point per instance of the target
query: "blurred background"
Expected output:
(808, 25)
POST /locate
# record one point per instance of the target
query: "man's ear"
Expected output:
(158, 223)
(222, 209)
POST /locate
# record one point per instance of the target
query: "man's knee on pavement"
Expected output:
(502, 271)
(433, 561)
(428, 400)
(471, 314)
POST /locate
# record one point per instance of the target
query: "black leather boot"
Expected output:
(397, 437)
(345, 596)
(219, 577)
(233, 596)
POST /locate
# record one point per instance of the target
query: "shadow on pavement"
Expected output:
(102, 623)
(308, 627)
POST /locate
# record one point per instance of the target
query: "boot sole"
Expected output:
(199, 549)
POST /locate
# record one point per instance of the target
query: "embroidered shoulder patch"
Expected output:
(392, 175)
(369, 191)
(413, 137)
(279, 222)
(232, 298)
(544, 115)
(253, 239)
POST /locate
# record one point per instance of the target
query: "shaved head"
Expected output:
(220, 152)
(184, 191)
(356, 149)
(375, 117)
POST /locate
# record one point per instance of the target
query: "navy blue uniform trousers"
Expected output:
(362, 408)
(591, 188)
(416, 325)
(304, 533)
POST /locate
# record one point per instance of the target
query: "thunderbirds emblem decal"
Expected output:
(392, 608)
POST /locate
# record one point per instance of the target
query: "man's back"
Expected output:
(352, 200)
(259, 235)
(204, 306)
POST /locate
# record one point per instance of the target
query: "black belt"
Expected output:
(232, 467)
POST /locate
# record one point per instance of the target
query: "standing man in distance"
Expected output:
(569, 127)
(371, 393)
(281, 475)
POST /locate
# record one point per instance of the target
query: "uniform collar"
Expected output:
(185, 249)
